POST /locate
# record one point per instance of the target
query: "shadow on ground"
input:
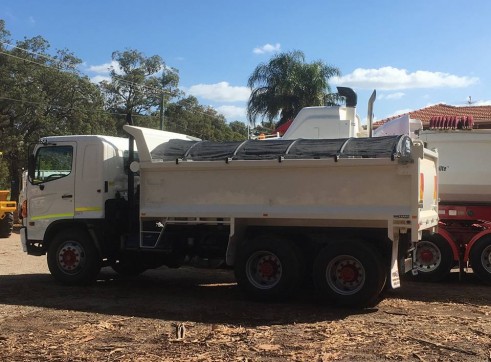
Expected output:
(209, 296)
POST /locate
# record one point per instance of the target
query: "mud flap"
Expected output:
(23, 238)
(395, 281)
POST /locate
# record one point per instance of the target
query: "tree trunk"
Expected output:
(15, 178)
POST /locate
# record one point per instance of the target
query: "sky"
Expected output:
(413, 53)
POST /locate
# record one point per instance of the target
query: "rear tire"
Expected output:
(6, 225)
(73, 258)
(350, 273)
(480, 258)
(434, 259)
(269, 268)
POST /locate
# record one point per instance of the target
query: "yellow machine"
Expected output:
(7, 209)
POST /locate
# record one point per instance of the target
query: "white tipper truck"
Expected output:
(345, 212)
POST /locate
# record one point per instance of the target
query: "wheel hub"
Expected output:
(70, 257)
(428, 256)
(264, 269)
(345, 275)
(267, 268)
(348, 274)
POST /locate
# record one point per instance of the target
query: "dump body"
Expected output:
(340, 190)
(465, 168)
(327, 191)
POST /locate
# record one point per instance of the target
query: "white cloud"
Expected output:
(481, 103)
(99, 78)
(232, 113)
(267, 48)
(105, 68)
(220, 92)
(390, 78)
(391, 96)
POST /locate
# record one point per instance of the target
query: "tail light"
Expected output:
(23, 209)
(421, 187)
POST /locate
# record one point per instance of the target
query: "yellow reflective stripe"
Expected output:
(68, 214)
(85, 209)
(52, 216)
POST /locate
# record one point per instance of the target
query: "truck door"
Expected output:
(51, 187)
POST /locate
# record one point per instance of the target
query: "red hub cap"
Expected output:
(267, 269)
(427, 256)
(348, 273)
(70, 258)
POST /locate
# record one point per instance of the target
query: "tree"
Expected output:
(136, 87)
(239, 128)
(189, 117)
(43, 94)
(285, 85)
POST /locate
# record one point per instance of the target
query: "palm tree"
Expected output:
(285, 85)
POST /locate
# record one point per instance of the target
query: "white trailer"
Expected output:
(464, 233)
(345, 212)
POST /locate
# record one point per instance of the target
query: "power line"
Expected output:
(26, 60)
(31, 52)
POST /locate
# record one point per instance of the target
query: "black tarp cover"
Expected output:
(377, 147)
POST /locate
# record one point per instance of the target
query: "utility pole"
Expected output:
(131, 175)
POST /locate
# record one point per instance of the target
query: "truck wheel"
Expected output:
(434, 259)
(480, 258)
(73, 258)
(349, 274)
(268, 267)
(6, 225)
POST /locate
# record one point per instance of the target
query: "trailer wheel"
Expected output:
(6, 225)
(350, 274)
(480, 258)
(268, 268)
(434, 259)
(73, 257)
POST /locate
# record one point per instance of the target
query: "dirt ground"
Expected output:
(200, 315)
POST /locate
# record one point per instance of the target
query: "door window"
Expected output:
(52, 163)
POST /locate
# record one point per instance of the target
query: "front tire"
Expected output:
(350, 274)
(6, 225)
(268, 268)
(73, 258)
(434, 259)
(480, 258)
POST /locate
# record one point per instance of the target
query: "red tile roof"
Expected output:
(481, 114)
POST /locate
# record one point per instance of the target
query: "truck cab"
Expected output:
(71, 178)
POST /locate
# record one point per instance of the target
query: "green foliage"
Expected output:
(4, 175)
(285, 85)
(189, 117)
(137, 89)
